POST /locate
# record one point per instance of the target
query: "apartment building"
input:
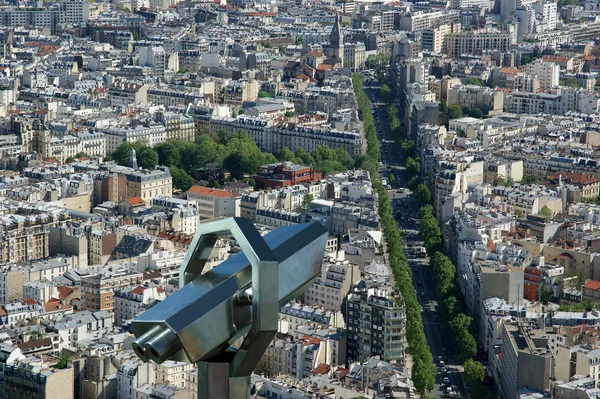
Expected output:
(76, 11)
(481, 276)
(272, 138)
(525, 361)
(333, 283)
(98, 291)
(13, 278)
(214, 203)
(546, 72)
(32, 377)
(478, 41)
(34, 17)
(434, 38)
(149, 132)
(132, 374)
(486, 99)
(40, 291)
(131, 301)
(101, 246)
(121, 94)
(148, 184)
(177, 126)
(355, 56)
(295, 314)
(173, 373)
(376, 324)
(26, 235)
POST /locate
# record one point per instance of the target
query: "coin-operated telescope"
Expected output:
(241, 296)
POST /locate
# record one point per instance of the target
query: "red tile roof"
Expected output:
(592, 285)
(135, 201)
(139, 290)
(324, 67)
(211, 192)
(64, 291)
(29, 301)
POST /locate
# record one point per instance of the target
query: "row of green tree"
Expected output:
(444, 273)
(235, 153)
(364, 113)
(423, 371)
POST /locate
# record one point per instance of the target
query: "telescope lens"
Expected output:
(139, 351)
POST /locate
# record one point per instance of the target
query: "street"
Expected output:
(436, 329)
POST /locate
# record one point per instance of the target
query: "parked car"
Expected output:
(447, 381)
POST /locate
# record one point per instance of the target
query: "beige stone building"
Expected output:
(173, 373)
(34, 380)
(148, 184)
(214, 203)
(97, 292)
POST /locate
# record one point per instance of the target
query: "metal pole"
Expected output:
(214, 382)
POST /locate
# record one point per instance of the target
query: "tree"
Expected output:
(562, 3)
(454, 112)
(413, 182)
(571, 82)
(181, 179)
(69, 159)
(425, 211)
(306, 200)
(476, 113)
(299, 41)
(81, 155)
(407, 147)
(530, 179)
(398, 215)
(264, 366)
(466, 344)
(460, 323)
(499, 180)
(371, 62)
(545, 211)
(285, 154)
(264, 94)
(392, 179)
(474, 82)
(474, 374)
(413, 167)
(147, 158)
(234, 164)
(422, 195)
(121, 154)
(450, 305)
(386, 93)
(63, 362)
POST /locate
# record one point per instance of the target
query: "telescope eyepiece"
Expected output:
(158, 344)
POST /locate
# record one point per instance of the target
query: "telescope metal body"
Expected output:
(241, 296)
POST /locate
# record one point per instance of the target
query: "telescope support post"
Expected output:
(215, 382)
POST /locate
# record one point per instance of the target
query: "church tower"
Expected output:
(336, 39)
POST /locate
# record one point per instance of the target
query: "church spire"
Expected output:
(336, 39)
